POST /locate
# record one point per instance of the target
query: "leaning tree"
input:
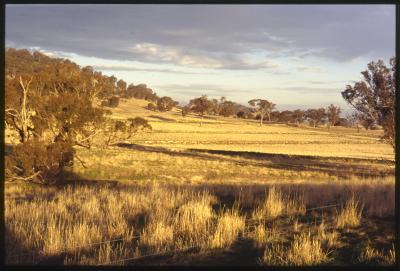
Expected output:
(374, 96)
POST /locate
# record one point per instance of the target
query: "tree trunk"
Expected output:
(201, 120)
(261, 120)
(24, 113)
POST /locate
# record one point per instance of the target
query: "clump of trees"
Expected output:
(165, 104)
(374, 96)
(316, 116)
(333, 115)
(51, 104)
(140, 91)
(222, 107)
(185, 110)
(200, 106)
(263, 108)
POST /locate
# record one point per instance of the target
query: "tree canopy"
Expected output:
(374, 96)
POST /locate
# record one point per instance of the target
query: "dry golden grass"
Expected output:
(350, 215)
(230, 224)
(328, 238)
(369, 255)
(305, 250)
(167, 196)
(262, 235)
(194, 222)
(275, 204)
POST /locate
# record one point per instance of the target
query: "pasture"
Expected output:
(227, 192)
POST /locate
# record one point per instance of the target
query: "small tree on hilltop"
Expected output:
(374, 96)
(263, 107)
(200, 106)
(165, 104)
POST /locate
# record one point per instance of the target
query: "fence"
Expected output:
(34, 253)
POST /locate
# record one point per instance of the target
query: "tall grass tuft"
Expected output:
(230, 224)
(193, 222)
(304, 250)
(350, 215)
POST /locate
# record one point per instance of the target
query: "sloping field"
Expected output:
(173, 131)
(228, 192)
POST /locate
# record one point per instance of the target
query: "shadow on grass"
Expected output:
(162, 118)
(334, 166)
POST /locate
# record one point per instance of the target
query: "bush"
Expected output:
(185, 111)
(151, 106)
(113, 101)
(165, 104)
(35, 161)
(241, 114)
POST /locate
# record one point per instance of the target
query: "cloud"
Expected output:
(218, 36)
(303, 68)
(328, 82)
(311, 90)
(201, 89)
(151, 52)
(131, 68)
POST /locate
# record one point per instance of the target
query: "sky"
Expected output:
(297, 56)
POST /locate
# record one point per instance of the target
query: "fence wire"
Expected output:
(255, 221)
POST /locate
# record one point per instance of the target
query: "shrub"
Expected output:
(113, 101)
(185, 111)
(165, 104)
(151, 106)
(35, 161)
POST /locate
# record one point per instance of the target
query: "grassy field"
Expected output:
(228, 192)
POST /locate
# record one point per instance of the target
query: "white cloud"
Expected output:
(190, 58)
(303, 68)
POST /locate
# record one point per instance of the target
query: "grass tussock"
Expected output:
(157, 236)
(370, 255)
(276, 204)
(62, 224)
(305, 250)
(230, 224)
(194, 221)
(350, 215)
(328, 238)
(262, 235)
